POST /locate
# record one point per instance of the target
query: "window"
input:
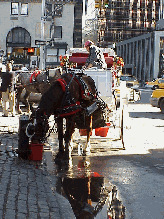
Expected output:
(58, 8)
(24, 9)
(56, 32)
(18, 35)
(14, 8)
(48, 9)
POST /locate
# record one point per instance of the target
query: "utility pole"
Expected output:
(42, 55)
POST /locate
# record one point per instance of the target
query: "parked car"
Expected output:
(156, 83)
(133, 94)
(157, 99)
(131, 81)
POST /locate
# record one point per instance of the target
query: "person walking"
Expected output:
(8, 91)
(96, 57)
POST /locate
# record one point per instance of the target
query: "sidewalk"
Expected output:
(27, 188)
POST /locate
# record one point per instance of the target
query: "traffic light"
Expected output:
(97, 3)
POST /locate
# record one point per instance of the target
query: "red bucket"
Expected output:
(103, 131)
(97, 131)
(36, 151)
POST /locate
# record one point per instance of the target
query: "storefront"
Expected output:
(18, 46)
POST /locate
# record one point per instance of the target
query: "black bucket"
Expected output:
(23, 140)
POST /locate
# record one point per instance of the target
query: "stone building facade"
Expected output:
(20, 32)
(143, 55)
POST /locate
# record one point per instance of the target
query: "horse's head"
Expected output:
(38, 127)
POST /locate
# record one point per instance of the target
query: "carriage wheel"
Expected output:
(122, 129)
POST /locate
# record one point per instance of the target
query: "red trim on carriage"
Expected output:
(62, 83)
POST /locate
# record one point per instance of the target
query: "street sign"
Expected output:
(40, 42)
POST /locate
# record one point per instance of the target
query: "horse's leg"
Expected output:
(89, 130)
(18, 95)
(26, 102)
(60, 134)
(70, 127)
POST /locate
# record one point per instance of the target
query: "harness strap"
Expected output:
(69, 110)
(83, 86)
(62, 83)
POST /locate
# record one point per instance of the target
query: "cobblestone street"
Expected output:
(27, 189)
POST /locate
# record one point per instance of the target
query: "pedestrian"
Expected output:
(8, 91)
(96, 57)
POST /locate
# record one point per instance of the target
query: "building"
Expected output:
(126, 19)
(22, 30)
(143, 55)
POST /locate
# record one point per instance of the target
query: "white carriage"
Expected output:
(113, 132)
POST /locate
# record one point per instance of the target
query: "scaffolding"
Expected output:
(120, 20)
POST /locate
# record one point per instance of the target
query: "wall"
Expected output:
(67, 23)
(141, 54)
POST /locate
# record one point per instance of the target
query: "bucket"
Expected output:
(36, 151)
(97, 131)
(23, 140)
(103, 131)
(108, 124)
(83, 132)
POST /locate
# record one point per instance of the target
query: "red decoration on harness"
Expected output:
(72, 112)
(62, 83)
(81, 88)
(35, 74)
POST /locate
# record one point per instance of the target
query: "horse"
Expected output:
(74, 98)
(36, 82)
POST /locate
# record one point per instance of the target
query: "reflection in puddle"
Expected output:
(84, 189)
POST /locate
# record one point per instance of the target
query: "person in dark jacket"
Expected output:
(8, 92)
(96, 57)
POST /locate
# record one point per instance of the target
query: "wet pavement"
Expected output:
(27, 188)
(137, 171)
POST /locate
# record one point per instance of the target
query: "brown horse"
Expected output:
(36, 82)
(71, 97)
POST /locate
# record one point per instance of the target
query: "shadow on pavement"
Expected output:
(149, 115)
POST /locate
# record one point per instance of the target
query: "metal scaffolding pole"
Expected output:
(42, 59)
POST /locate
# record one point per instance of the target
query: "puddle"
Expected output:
(84, 188)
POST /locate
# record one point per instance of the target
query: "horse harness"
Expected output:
(68, 105)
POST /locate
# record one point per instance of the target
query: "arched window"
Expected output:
(18, 37)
